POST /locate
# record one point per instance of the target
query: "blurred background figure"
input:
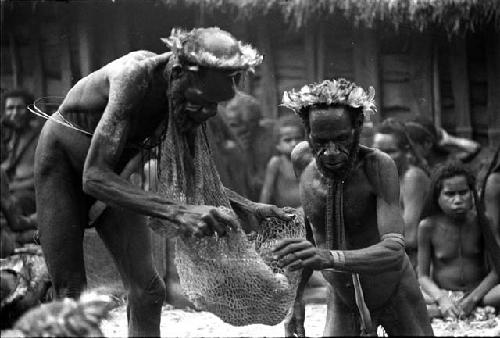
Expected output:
(433, 145)
(243, 116)
(281, 187)
(390, 137)
(21, 130)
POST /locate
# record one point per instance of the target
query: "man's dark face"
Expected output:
(207, 88)
(331, 138)
(17, 115)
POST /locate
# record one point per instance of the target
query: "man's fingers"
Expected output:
(292, 247)
(280, 213)
(227, 218)
(214, 224)
(285, 242)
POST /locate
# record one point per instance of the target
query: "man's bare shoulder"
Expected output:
(133, 64)
(416, 177)
(301, 156)
(380, 170)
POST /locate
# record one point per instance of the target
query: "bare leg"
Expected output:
(492, 298)
(406, 313)
(340, 319)
(62, 216)
(128, 238)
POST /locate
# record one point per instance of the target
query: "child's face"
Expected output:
(289, 137)
(455, 198)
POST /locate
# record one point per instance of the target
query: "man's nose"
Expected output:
(458, 199)
(331, 149)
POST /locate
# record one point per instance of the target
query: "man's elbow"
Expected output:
(91, 182)
(396, 256)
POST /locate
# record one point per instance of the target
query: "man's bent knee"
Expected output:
(152, 294)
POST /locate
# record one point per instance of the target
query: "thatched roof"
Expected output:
(453, 15)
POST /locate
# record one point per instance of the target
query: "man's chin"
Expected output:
(332, 170)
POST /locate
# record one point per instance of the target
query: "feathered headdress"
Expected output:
(331, 92)
(190, 47)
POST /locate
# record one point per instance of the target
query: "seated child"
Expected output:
(281, 187)
(452, 266)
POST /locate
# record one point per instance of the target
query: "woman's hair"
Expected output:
(442, 172)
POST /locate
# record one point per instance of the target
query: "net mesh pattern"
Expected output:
(232, 276)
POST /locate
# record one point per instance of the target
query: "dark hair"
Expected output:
(442, 172)
(422, 130)
(19, 92)
(394, 127)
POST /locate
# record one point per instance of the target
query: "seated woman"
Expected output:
(451, 245)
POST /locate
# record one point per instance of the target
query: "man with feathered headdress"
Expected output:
(106, 124)
(350, 196)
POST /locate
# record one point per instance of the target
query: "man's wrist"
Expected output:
(338, 258)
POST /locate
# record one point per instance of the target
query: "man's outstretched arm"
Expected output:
(388, 254)
(126, 90)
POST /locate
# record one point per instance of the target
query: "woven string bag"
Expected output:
(231, 276)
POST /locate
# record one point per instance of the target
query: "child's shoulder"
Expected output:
(301, 155)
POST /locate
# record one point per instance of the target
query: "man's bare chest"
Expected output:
(359, 202)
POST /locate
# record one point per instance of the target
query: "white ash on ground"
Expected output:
(189, 323)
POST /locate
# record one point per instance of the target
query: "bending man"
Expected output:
(124, 106)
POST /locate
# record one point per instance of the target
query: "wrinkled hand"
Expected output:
(294, 321)
(447, 308)
(297, 254)
(205, 220)
(467, 305)
(267, 210)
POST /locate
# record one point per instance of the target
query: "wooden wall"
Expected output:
(50, 46)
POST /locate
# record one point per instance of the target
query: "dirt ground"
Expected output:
(188, 323)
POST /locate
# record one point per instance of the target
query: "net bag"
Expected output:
(232, 277)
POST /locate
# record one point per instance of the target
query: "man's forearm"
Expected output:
(239, 202)
(386, 255)
(119, 192)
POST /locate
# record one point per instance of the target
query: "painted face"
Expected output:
(207, 88)
(244, 123)
(388, 144)
(455, 198)
(16, 113)
(289, 137)
(331, 137)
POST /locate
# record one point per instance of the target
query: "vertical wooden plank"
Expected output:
(85, 39)
(269, 100)
(436, 87)
(309, 52)
(320, 52)
(366, 64)
(39, 81)
(493, 107)
(14, 60)
(460, 86)
(421, 74)
(65, 31)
